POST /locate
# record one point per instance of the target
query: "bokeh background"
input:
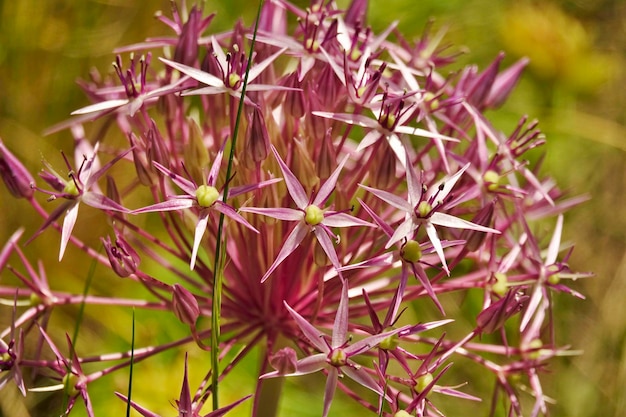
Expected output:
(574, 85)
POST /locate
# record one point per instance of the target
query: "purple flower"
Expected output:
(335, 356)
(310, 215)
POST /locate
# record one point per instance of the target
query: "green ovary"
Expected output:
(423, 209)
(423, 381)
(206, 195)
(71, 188)
(411, 251)
(338, 357)
(390, 342)
(313, 215)
(233, 80)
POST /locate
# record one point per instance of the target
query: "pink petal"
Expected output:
(199, 232)
(329, 391)
(104, 105)
(312, 334)
(414, 186)
(184, 184)
(293, 185)
(434, 239)
(340, 326)
(329, 185)
(230, 212)
(286, 214)
(169, 205)
(68, 224)
(344, 220)
(215, 167)
(448, 184)
(390, 198)
(361, 376)
(257, 69)
(242, 189)
(369, 139)
(555, 242)
(101, 202)
(403, 231)
(327, 246)
(447, 220)
(294, 239)
(353, 119)
(196, 74)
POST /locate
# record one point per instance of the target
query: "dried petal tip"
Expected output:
(185, 305)
(15, 175)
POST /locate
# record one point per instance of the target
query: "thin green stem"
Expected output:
(219, 256)
(132, 361)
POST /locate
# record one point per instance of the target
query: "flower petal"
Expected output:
(434, 239)
(312, 334)
(447, 220)
(340, 326)
(277, 213)
(199, 232)
(344, 220)
(68, 224)
(329, 391)
(294, 239)
(230, 212)
(296, 191)
(196, 74)
(329, 185)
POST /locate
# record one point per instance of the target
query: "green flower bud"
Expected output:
(411, 251)
(492, 180)
(71, 188)
(207, 195)
(423, 381)
(313, 215)
(553, 274)
(233, 80)
(501, 285)
(423, 208)
(390, 342)
(338, 357)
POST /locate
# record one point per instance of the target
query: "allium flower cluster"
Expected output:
(332, 182)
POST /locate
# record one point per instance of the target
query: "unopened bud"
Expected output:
(294, 99)
(504, 84)
(284, 361)
(141, 164)
(15, 175)
(185, 305)
(257, 137)
(123, 258)
(422, 382)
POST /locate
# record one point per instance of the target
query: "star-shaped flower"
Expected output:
(425, 208)
(310, 215)
(81, 187)
(335, 355)
(205, 197)
(233, 68)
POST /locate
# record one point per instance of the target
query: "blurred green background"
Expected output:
(574, 85)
